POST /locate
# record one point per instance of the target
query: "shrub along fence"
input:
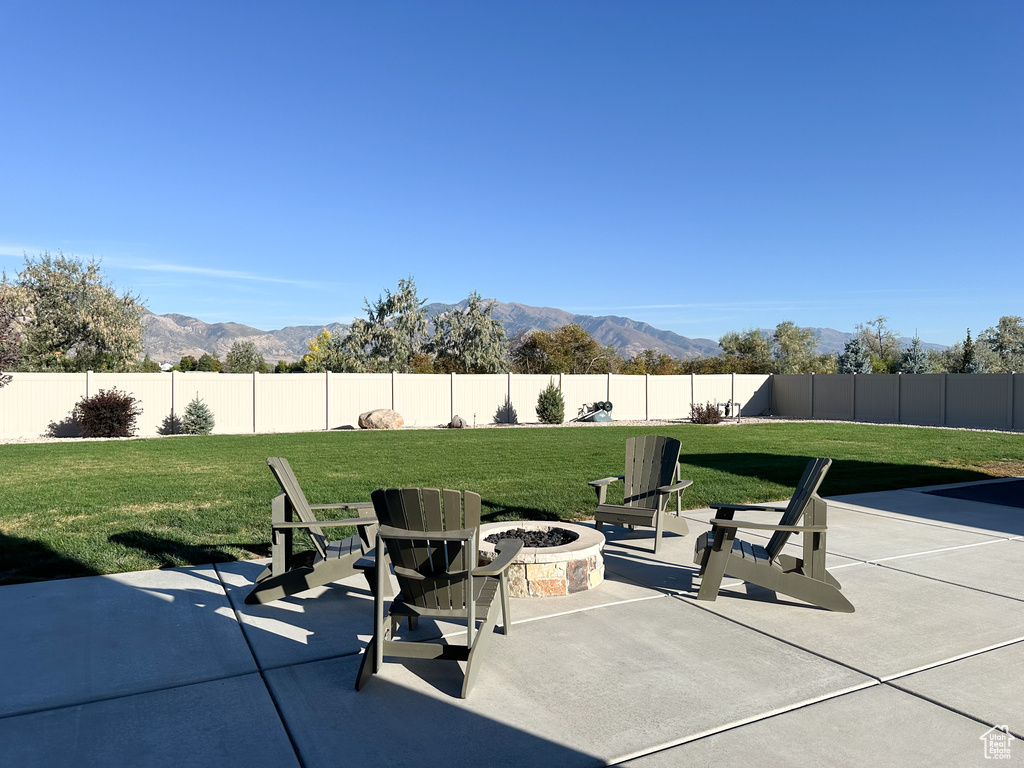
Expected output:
(40, 403)
(974, 400)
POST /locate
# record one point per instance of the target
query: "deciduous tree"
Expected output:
(244, 358)
(71, 320)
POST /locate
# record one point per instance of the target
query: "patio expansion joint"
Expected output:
(950, 583)
(878, 560)
(1019, 734)
(259, 671)
(742, 722)
(919, 521)
(695, 603)
(115, 697)
(951, 660)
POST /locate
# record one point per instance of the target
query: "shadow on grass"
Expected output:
(845, 476)
(29, 560)
(498, 513)
(174, 554)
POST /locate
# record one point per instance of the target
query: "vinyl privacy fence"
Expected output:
(35, 404)
(974, 400)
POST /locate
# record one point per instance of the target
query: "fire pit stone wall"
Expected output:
(551, 571)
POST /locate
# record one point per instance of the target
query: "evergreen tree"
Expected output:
(209, 363)
(392, 334)
(915, 359)
(198, 418)
(148, 366)
(551, 405)
(856, 358)
(469, 340)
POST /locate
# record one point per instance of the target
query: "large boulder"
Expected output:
(457, 422)
(382, 418)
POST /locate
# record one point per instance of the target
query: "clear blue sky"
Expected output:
(701, 166)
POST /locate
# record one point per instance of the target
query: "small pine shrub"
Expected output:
(108, 413)
(551, 406)
(704, 414)
(198, 418)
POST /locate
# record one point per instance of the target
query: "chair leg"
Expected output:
(366, 666)
(506, 617)
(477, 652)
(716, 558)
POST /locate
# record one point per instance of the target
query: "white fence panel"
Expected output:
(526, 388)
(296, 402)
(713, 388)
(351, 394)
(669, 397)
(628, 395)
(481, 398)
(229, 396)
(152, 390)
(753, 391)
(34, 401)
(423, 399)
(584, 388)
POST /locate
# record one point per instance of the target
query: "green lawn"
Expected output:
(79, 508)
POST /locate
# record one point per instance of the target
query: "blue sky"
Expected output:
(700, 166)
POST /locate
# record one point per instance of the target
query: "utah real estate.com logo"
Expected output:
(997, 741)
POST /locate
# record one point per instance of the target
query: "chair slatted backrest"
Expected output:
(286, 479)
(650, 463)
(806, 489)
(427, 510)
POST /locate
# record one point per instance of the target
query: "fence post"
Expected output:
(608, 386)
(647, 397)
(1009, 401)
(811, 390)
(327, 399)
(693, 390)
(451, 397)
(393, 374)
(88, 393)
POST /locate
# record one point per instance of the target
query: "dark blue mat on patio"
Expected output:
(1008, 494)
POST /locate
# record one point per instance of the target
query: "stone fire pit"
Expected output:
(550, 571)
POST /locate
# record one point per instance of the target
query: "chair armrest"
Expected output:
(356, 521)
(723, 523)
(507, 549)
(750, 507)
(390, 532)
(353, 505)
(605, 481)
(675, 486)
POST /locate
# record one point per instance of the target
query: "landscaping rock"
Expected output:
(457, 422)
(382, 418)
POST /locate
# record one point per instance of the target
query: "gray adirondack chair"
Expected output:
(432, 538)
(651, 475)
(719, 552)
(292, 572)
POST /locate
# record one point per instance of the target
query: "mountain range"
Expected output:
(169, 337)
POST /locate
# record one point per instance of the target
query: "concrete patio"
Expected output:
(171, 668)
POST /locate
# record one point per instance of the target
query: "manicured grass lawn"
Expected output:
(74, 509)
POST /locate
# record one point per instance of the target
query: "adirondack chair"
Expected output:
(290, 573)
(651, 475)
(719, 552)
(435, 554)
